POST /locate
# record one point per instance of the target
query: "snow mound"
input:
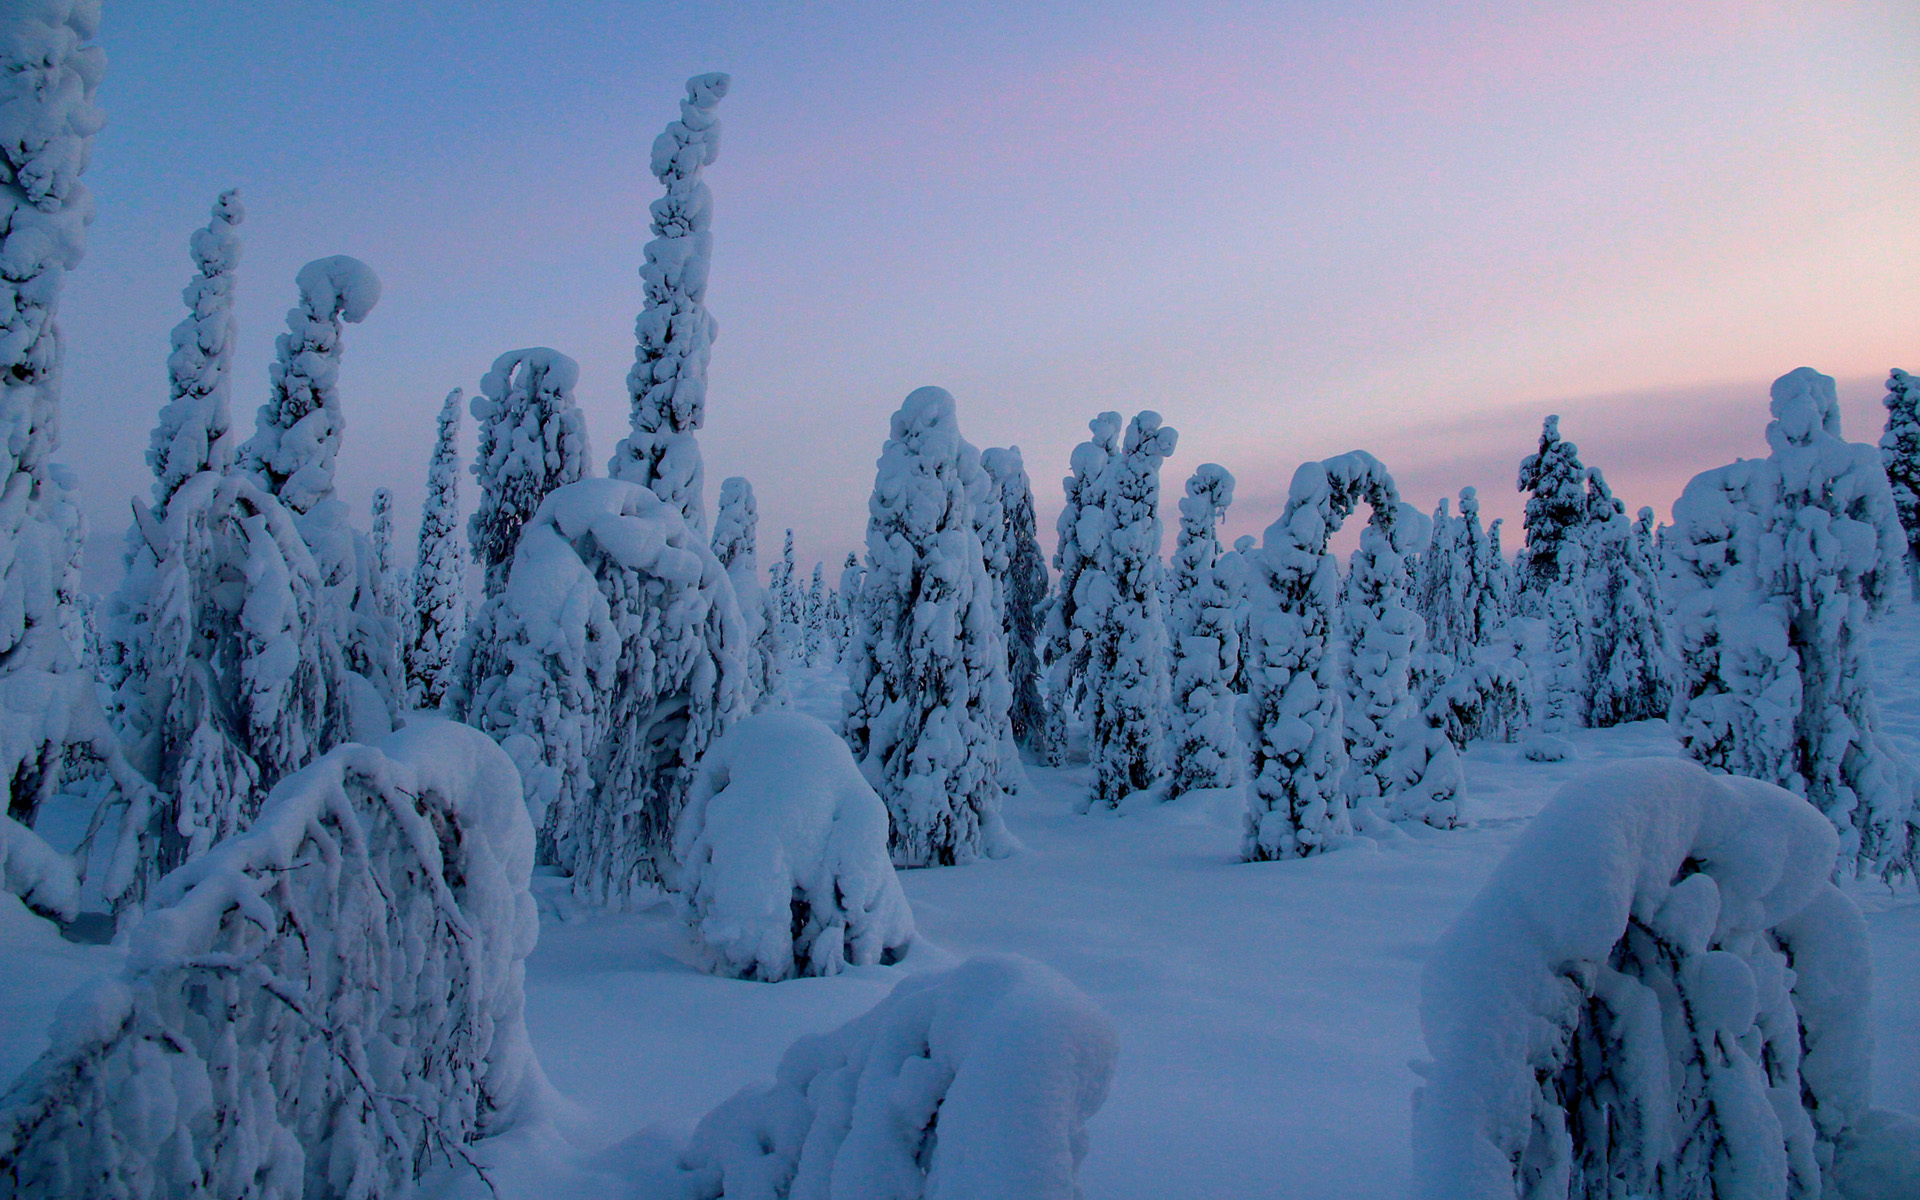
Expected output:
(36, 872)
(1546, 748)
(1658, 992)
(976, 1082)
(322, 1005)
(782, 851)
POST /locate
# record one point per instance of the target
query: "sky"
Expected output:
(1292, 229)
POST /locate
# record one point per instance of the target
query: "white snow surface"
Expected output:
(781, 850)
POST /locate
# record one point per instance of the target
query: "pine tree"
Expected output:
(1081, 528)
(1380, 633)
(1900, 452)
(1024, 594)
(667, 387)
(195, 432)
(439, 600)
(1205, 643)
(1629, 650)
(533, 440)
(927, 667)
(736, 525)
(1555, 509)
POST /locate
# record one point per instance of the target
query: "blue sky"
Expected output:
(1292, 229)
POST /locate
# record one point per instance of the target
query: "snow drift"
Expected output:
(782, 851)
(327, 1004)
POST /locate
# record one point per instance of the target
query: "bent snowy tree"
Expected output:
(1659, 993)
(328, 1004)
(611, 661)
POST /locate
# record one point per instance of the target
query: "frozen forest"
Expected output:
(517, 827)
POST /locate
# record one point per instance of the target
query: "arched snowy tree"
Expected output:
(735, 543)
(1659, 993)
(1779, 563)
(1900, 453)
(532, 440)
(1204, 642)
(1081, 528)
(1556, 507)
(1024, 595)
(667, 386)
(611, 661)
(439, 601)
(1299, 801)
(1121, 611)
(926, 703)
(195, 431)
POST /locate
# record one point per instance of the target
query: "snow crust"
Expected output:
(976, 1082)
(781, 850)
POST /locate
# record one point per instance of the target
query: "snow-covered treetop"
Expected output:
(297, 431)
(1322, 494)
(1804, 406)
(194, 432)
(533, 439)
(667, 385)
(735, 524)
(1209, 492)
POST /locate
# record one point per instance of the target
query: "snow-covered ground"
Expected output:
(1267, 1013)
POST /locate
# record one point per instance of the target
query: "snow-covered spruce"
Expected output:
(439, 600)
(990, 528)
(1024, 595)
(786, 596)
(195, 431)
(326, 1005)
(1081, 528)
(926, 702)
(1299, 802)
(1204, 641)
(1779, 563)
(48, 709)
(1122, 618)
(386, 588)
(1629, 667)
(1900, 454)
(1564, 605)
(1422, 778)
(533, 439)
(977, 1081)
(1659, 993)
(815, 625)
(852, 577)
(735, 543)
(1441, 589)
(297, 431)
(611, 661)
(1482, 615)
(41, 876)
(667, 385)
(781, 856)
(1556, 505)
(1380, 633)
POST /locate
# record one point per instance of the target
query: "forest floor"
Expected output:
(1267, 1013)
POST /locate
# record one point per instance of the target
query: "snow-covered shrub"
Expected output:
(41, 876)
(1659, 993)
(195, 431)
(1421, 778)
(439, 600)
(1024, 595)
(1205, 643)
(1299, 802)
(533, 439)
(978, 1082)
(611, 661)
(1485, 700)
(781, 854)
(735, 543)
(1121, 611)
(1556, 505)
(1081, 528)
(667, 385)
(325, 1005)
(926, 702)
(1779, 563)
(1900, 454)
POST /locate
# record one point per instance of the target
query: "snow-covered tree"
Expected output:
(1024, 594)
(1235, 568)
(386, 586)
(1125, 626)
(1780, 562)
(1501, 584)
(533, 439)
(926, 704)
(852, 577)
(736, 525)
(667, 386)
(1556, 507)
(1900, 453)
(439, 600)
(1380, 632)
(1443, 588)
(611, 661)
(1299, 802)
(329, 1004)
(1081, 528)
(787, 602)
(1629, 659)
(195, 431)
(1565, 607)
(1204, 642)
(816, 617)
(1659, 993)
